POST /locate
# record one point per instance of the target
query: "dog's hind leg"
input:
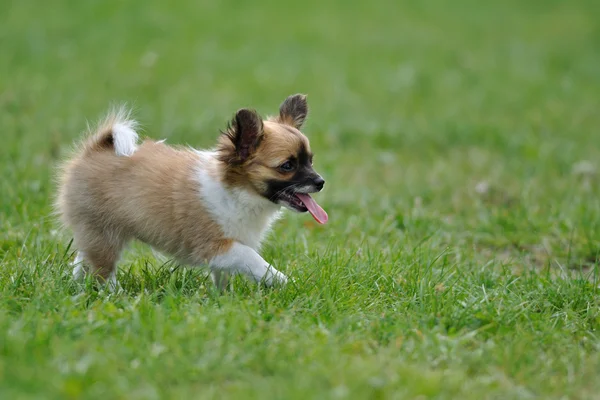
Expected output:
(79, 269)
(221, 279)
(98, 255)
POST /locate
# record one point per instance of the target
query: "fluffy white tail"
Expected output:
(116, 132)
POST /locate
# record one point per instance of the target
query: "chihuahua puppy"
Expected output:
(201, 207)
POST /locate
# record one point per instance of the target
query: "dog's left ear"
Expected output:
(293, 110)
(247, 127)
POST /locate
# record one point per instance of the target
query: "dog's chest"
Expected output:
(242, 216)
(247, 225)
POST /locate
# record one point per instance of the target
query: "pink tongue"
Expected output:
(315, 210)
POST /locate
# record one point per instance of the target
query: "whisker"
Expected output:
(295, 185)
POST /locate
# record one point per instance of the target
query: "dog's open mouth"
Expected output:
(302, 202)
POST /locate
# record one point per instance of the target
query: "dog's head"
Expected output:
(272, 157)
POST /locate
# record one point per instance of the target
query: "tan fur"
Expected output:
(151, 196)
(110, 193)
(101, 138)
(279, 142)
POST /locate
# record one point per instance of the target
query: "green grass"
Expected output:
(461, 257)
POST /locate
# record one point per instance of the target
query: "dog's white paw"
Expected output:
(78, 268)
(274, 277)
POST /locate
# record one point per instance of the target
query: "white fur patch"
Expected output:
(78, 268)
(124, 135)
(242, 259)
(242, 215)
(125, 138)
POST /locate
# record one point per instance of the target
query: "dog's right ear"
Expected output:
(293, 111)
(245, 132)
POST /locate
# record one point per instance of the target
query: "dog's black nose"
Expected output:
(319, 182)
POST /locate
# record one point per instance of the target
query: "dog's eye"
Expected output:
(287, 166)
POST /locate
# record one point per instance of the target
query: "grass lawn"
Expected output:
(460, 144)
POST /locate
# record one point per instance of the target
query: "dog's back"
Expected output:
(113, 190)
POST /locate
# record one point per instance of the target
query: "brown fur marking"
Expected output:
(151, 196)
(279, 142)
(154, 194)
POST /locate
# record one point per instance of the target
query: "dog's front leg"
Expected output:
(243, 259)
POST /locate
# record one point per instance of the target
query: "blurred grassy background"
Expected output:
(462, 128)
(424, 97)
